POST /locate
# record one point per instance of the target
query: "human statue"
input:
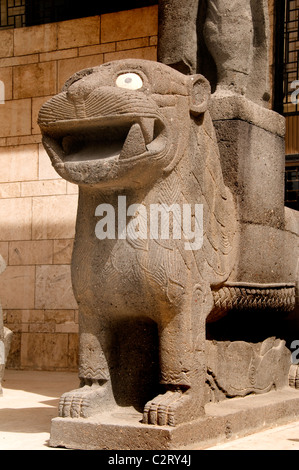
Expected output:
(234, 33)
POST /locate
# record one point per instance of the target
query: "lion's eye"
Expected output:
(131, 81)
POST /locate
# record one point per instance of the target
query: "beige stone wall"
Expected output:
(37, 208)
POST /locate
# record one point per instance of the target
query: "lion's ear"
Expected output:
(200, 92)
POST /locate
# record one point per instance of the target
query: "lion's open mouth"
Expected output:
(118, 138)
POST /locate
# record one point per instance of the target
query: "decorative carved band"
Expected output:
(93, 373)
(281, 297)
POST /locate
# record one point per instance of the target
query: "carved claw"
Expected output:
(164, 410)
(81, 403)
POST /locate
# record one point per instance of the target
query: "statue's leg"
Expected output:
(95, 392)
(259, 82)
(177, 43)
(183, 371)
(228, 33)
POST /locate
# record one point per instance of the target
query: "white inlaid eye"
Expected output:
(130, 81)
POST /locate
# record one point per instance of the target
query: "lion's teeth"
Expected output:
(147, 126)
(134, 144)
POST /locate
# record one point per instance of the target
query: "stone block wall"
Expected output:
(37, 207)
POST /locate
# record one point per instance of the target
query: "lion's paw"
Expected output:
(166, 410)
(80, 403)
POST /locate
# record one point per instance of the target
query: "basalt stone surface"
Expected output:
(152, 141)
(227, 41)
(222, 422)
(252, 150)
(153, 309)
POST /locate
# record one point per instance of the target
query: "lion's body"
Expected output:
(155, 279)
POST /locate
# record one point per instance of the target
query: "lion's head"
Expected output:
(121, 123)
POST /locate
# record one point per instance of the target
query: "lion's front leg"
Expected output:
(94, 394)
(183, 373)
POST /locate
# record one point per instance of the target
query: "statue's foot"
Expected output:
(224, 91)
(172, 408)
(82, 402)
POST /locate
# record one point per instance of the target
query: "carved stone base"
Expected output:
(239, 368)
(122, 430)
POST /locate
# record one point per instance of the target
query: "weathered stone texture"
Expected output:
(6, 43)
(6, 78)
(31, 252)
(139, 23)
(53, 288)
(217, 319)
(34, 80)
(36, 39)
(18, 163)
(15, 118)
(76, 33)
(225, 41)
(17, 215)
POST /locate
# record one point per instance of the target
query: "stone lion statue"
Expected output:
(135, 136)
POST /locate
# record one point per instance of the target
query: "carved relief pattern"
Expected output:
(245, 297)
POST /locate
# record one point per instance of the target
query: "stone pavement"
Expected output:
(30, 401)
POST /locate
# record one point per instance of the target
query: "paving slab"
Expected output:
(29, 402)
(278, 438)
